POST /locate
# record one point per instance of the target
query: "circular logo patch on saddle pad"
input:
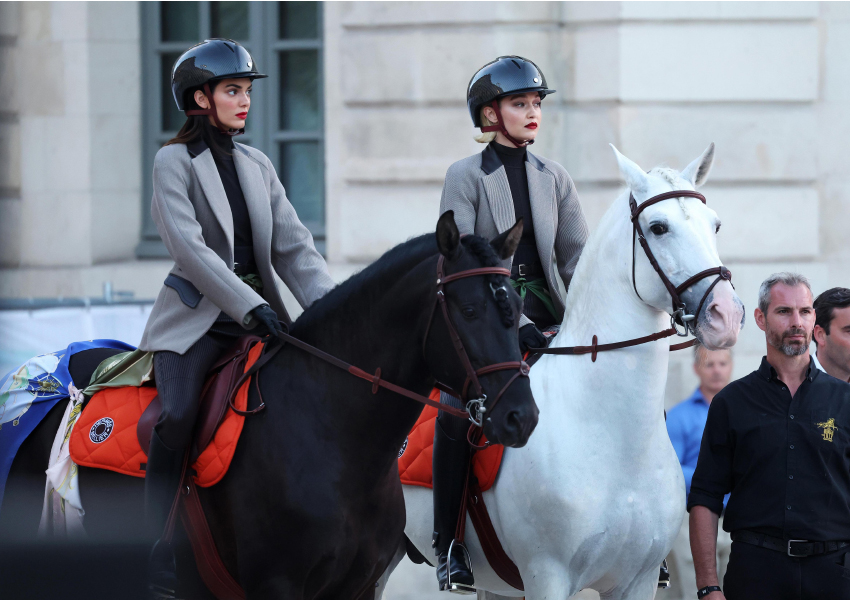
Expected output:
(101, 430)
(403, 448)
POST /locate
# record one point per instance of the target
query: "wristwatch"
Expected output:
(707, 590)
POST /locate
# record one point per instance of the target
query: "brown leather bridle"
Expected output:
(680, 316)
(474, 406)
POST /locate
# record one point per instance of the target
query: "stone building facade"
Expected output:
(766, 81)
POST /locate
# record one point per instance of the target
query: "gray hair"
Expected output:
(789, 279)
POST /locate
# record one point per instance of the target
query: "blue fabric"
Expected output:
(29, 392)
(685, 424)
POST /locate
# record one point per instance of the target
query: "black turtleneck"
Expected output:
(514, 160)
(243, 243)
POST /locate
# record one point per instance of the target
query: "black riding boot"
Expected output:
(162, 482)
(664, 576)
(451, 461)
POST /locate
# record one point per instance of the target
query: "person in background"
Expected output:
(832, 333)
(777, 440)
(685, 424)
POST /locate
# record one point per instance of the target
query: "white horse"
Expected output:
(597, 496)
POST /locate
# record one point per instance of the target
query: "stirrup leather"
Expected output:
(458, 588)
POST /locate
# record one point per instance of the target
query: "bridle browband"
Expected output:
(474, 406)
(680, 316)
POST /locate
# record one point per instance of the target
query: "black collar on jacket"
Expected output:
(490, 161)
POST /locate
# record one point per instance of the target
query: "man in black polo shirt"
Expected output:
(779, 441)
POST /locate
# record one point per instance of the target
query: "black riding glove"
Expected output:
(267, 321)
(530, 337)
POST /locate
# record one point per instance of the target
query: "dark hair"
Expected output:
(826, 303)
(198, 126)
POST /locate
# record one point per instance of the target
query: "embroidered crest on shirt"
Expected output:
(828, 429)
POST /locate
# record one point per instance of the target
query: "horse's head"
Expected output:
(484, 310)
(681, 234)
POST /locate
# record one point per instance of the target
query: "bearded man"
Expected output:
(777, 440)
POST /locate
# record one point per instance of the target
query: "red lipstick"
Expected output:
(531, 126)
(242, 116)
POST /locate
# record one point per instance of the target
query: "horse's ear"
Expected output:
(697, 172)
(448, 237)
(505, 244)
(633, 175)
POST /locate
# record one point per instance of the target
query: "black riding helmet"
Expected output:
(208, 61)
(211, 60)
(505, 75)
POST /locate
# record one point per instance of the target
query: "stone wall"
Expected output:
(70, 149)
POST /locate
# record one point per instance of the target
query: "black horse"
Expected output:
(312, 506)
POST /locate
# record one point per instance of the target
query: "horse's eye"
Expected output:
(717, 229)
(468, 312)
(658, 228)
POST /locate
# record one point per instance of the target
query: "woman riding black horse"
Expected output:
(487, 193)
(224, 217)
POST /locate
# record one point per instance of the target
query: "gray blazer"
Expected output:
(193, 217)
(477, 190)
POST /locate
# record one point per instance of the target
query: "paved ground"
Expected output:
(418, 582)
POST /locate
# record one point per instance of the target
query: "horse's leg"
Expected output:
(381, 584)
(547, 579)
(642, 587)
(24, 496)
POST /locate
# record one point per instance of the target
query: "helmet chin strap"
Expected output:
(501, 127)
(214, 113)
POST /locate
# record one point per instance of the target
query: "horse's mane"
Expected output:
(390, 267)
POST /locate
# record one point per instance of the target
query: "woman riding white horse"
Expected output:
(596, 498)
(488, 192)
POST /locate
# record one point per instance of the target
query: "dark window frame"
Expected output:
(262, 131)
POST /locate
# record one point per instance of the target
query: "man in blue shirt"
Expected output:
(685, 424)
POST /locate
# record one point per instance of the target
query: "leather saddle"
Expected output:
(220, 384)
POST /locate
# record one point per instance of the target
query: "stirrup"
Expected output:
(664, 576)
(458, 588)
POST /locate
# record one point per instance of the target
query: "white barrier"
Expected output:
(25, 333)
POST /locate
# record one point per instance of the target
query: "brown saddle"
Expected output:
(220, 385)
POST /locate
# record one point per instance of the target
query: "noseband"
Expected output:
(680, 316)
(474, 406)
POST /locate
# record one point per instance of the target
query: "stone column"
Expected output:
(75, 79)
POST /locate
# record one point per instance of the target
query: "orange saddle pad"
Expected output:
(414, 458)
(104, 436)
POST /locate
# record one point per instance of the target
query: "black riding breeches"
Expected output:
(180, 379)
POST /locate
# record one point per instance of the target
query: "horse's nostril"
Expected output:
(514, 420)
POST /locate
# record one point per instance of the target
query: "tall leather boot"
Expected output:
(451, 462)
(162, 483)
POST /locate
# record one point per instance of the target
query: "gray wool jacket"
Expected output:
(477, 190)
(192, 214)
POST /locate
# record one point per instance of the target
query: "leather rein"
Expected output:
(475, 406)
(680, 317)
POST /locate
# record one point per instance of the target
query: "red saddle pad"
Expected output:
(104, 436)
(414, 458)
